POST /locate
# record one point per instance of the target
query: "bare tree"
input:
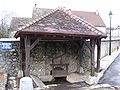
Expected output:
(5, 22)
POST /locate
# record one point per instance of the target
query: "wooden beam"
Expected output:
(48, 37)
(87, 44)
(34, 44)
(27, 56)
(98, 54)
(92, 44)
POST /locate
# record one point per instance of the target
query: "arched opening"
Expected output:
(59, 70)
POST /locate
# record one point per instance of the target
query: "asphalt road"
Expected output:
(112, 74)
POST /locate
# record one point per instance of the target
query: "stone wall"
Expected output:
(115, 43)
(9, 59)
(42, 57)
(45, 53)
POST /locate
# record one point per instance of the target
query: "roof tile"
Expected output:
(57, 16)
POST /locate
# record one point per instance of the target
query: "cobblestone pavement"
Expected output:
(112, 74)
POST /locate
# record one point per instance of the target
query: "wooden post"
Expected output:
(81, 52)
(27, 56)
(80, 48)
(22, 55)
(98, 54)
(92, 44)
(81, 59)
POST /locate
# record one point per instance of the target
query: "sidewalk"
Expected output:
(106, 61)
(104, 64)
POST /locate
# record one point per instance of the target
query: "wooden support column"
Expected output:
(80, 48)
(27, 56)
(22, 54)
(92, 44)
(81, 54)
(98, 54)
(81, 51)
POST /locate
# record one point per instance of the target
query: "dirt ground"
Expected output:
(76, 86)
(62, 84)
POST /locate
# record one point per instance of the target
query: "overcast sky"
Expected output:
(23, 8)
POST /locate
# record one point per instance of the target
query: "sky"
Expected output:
(23, 8)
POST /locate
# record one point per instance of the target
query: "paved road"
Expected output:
(112, 74)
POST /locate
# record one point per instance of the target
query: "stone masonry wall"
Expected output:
(42, 56)
(61, 52)
(44, 53)
(9, 59)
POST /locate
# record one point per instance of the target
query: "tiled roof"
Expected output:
(91, 17)
(80, 27)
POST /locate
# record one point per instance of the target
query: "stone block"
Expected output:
(82, 70)
(92, 80)
(26, 83)
(75, 77)
(46, 78)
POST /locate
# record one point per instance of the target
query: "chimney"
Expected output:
(34, 11)
(97, 13)
(35, 6)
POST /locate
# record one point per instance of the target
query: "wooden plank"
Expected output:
(92, 44)
(98, 54)
(27, 55)
(60, 73)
